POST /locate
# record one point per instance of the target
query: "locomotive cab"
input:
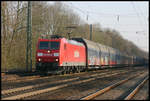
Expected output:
(47, 54)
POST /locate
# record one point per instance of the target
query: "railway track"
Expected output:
(24, 87)
(39, 89)
(131, 95)
(38, 77)
(144, 91)
(24, 82)
(29, 78)
(108, 91)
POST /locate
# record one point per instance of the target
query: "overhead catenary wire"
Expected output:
(107, 14)
(140, 22)
(142, 14)
(118, 16)
(84, 12)
(87, 12)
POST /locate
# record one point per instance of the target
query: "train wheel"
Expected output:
(65, 72)
(79, 70)
(74, 69)
(69, 70)
(62, 72)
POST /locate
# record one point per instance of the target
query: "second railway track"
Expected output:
(110, 91)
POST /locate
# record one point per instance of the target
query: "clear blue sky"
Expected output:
(133, 17)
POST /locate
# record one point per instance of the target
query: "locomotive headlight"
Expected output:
(39, 54)
(56, 59)
(56, 54)
(39, 59)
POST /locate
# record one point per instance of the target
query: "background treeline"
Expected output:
(49, 19)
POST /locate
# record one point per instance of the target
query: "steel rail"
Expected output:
(136, 89)
(33, 86)
(25, 78)
(91, 96)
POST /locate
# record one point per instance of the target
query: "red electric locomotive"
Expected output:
(60, 55)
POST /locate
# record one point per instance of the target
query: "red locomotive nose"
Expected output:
(48, 50)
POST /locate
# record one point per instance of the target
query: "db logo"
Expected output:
(76, 54)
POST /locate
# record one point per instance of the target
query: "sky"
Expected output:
(130, 18)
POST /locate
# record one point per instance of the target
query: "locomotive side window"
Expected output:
(49, 45)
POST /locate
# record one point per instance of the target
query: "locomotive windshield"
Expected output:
(49, 45)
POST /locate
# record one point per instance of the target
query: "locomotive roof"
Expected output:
(75, 42)
(41, 39)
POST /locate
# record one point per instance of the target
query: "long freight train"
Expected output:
(79, 54)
